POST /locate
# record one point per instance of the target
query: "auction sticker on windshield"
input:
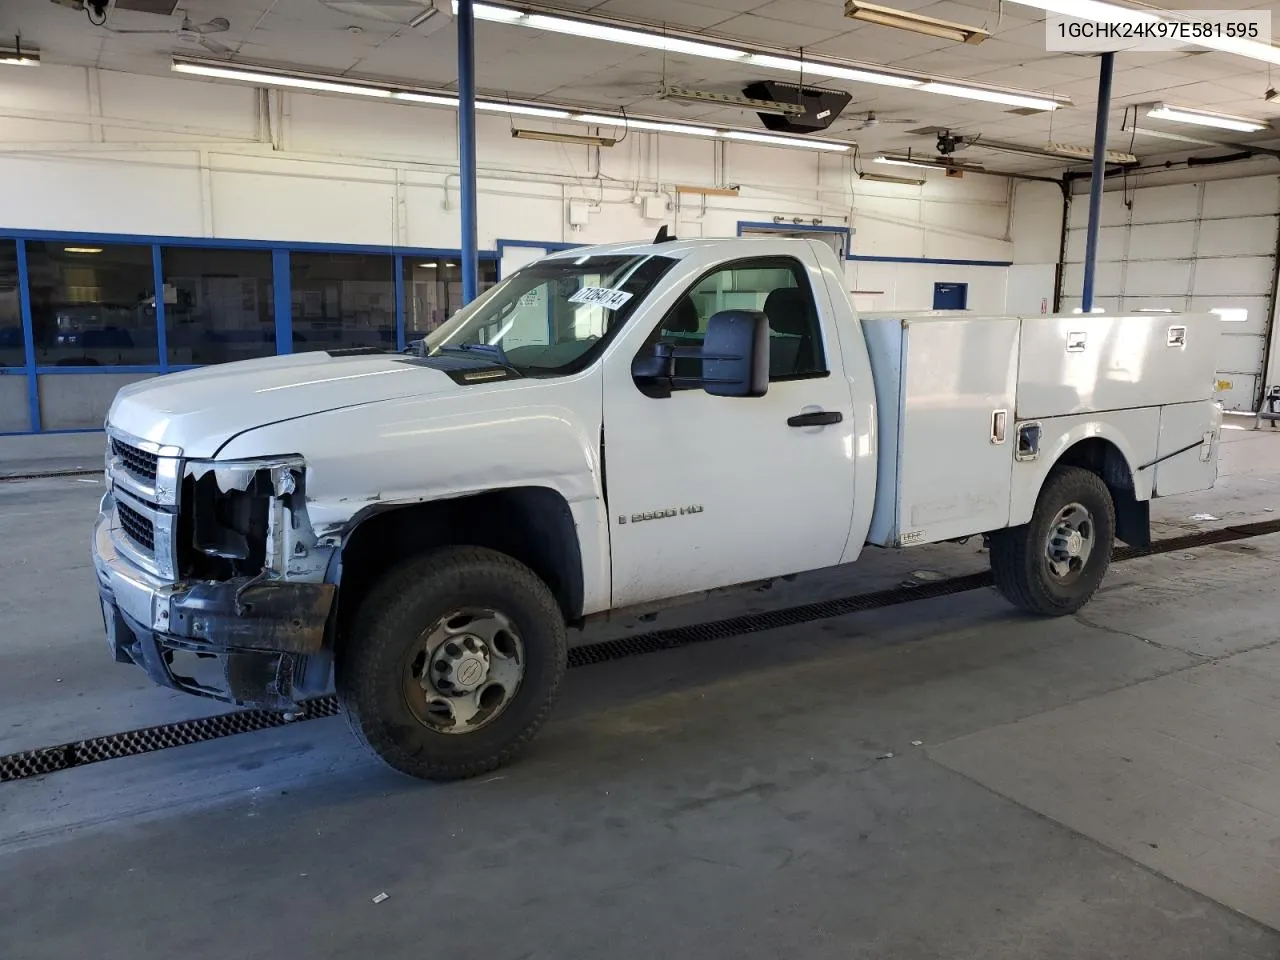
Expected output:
(601, 297)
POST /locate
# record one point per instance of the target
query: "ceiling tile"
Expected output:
(689, 16)
(776, 32)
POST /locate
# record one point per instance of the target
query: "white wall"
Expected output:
(86, 150)
(1037, 242)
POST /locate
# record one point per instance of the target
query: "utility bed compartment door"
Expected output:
(945, 397)
(1187, 451)
(1087, 364)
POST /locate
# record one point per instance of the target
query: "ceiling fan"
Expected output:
(194, 33)
(869, 120)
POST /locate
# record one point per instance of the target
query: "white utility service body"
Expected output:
(569, 449)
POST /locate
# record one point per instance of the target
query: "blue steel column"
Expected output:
(1095, 184)
(467, 148)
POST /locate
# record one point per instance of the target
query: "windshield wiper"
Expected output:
(492, 352)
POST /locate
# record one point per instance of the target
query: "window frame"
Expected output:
(798, 270)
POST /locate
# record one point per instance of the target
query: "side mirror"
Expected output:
(735, 354)
(734, 358)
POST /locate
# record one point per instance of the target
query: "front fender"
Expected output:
(1134, 433)
(528, 433)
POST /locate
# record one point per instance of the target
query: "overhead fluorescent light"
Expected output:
(522, 110)
(652, 126)
(1203, 118)
(885, 178)
(19, 57)
(914, 22)
(929, 163)
(428, 266)
(431, 99)
(835, 71)
(1101, 12)
(552, 136)
(85, 250)
(277, 79)
(776, 141)
(777, 107)
(904, 162)
(649, 37)
(992, 96)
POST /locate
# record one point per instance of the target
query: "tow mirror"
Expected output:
(735, 354)
(734, 358)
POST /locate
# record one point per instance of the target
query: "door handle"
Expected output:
(818, 418)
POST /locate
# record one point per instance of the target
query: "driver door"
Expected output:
(707, 491)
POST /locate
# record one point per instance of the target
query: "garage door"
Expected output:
(1193, 247)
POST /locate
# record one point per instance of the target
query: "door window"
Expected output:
(778, 288)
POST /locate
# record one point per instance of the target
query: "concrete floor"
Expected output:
(1106, 785)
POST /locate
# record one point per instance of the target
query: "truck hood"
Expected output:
(200, 410)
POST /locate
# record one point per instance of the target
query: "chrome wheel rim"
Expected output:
(1070, 542)
(464, 670)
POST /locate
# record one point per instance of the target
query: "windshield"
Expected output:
(551, 317)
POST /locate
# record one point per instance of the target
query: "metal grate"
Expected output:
(34, 763)
(140, 529)
(138, 462)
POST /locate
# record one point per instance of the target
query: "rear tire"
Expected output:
(1053, 565)
(452, 663)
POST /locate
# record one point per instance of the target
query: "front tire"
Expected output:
(452, 663)
(1053, 565)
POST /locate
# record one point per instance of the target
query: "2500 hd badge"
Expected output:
(660, 514)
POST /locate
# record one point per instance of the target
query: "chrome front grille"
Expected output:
(143, 480)
(137, 527)
(138, 462)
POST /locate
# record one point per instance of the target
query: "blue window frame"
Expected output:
(144, 304)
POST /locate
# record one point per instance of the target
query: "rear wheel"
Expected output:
(452, 663)
(1053, 565)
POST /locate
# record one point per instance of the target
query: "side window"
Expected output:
(777, 287)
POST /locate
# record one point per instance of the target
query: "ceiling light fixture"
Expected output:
(992, 96)
(1101, 12)
(774, 140)
(904, 162)
(914, 22)
(272, 78)
(17, 56)
(1203, 118)
(885, 178)
(651, 126)
(655, 38)
(685, 95)
(277, 77)
(929, 163)
(521, 110)
(552, 136)
(85, 250)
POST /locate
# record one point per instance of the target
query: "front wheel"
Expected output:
(452, 663)
(1053, 565)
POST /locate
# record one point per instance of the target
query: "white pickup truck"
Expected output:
(607, 428)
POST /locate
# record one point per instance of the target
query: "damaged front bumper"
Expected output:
(257, 642)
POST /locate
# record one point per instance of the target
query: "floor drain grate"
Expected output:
(34, 763)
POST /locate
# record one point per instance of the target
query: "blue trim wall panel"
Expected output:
(282, 286)
(28, 338)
